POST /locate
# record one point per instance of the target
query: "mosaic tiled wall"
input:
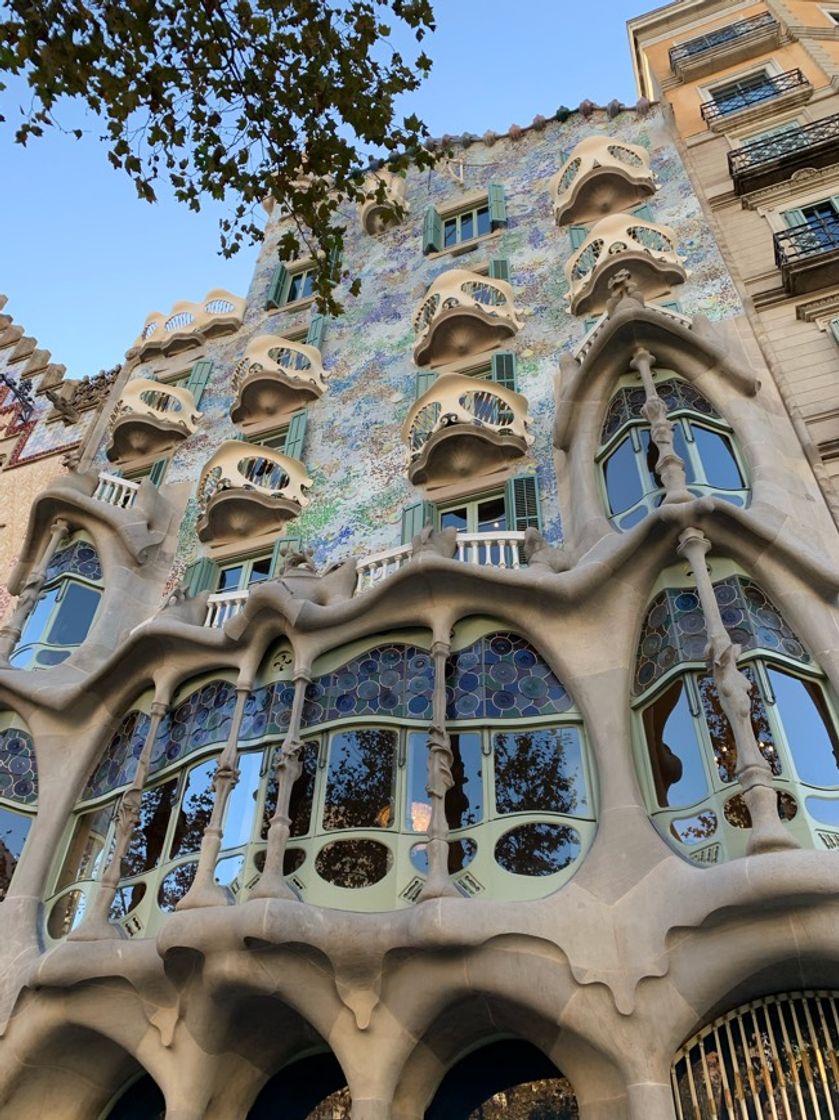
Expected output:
(353, 449)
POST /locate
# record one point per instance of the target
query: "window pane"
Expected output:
(260, 569)
(241, 806)
(75, 615)
(540, 770)
(673, 745)
(722, 738)
(464, 801)
(302, 792)
(14, 828)
(483, 221)
(466, 227)
(39, 617)
(717, 458)
(359, 789)
(308, 284)
(147, 840)
(83, 855)
(294, 288)
(623, 485)
(808, 728)
(492, 516)
(230, 578)
(450, 232)
(456, 517)
(196, 806)
(680, 447)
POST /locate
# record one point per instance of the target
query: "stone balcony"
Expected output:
(150, 419)
(622, 241)
(246, 492)
(275, 378)
(600, 176)
(385, 192)
(463, 313)
(463, 427)
(189, 324)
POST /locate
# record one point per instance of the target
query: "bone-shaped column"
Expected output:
(670, 466)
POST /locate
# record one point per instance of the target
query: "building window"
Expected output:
(449, 229)
(18, 794)
(628, 456)
(61, 618)
(466, 225)
(291, 284)
(730, 97)
(816, 226)
(244, 573)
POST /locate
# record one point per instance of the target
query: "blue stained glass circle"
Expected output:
(534, 688)
(345, 703)
(368, 689)
(502, 673)
(503, 699)
(524, 658)
(467, 704)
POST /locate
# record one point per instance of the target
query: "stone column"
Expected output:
(11, 632)
(205, 891)
(753, 771)
(438, 884)
(272, 883)
(96, 923)
(670, 466)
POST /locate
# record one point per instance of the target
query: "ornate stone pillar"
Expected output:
(96, 923)
(670, 466)
(272, 883)
(753, 771)
(438, 884)
(11, 632)
(205, 891)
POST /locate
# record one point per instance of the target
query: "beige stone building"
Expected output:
(432, 712)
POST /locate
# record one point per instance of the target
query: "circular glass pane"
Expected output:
(66, 914)
(461, 854)
(538, 849)
(127, 899)
(175, 885)
(353, 863)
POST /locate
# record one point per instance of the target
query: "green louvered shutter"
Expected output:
(644, 212)
(503, 370)
(314, 335)
(578, 234)
(497, 206)
(794, 218)
(432, 231)
(276, 288)
(158, 470)
(200, 576)
(415, 518)
(295, 436)
(425, 379)
(335, 265)
(198, 378)
(522, 500)
(499, 269)
(293, 544)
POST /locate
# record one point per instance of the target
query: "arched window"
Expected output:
(689, 756)
(141, 1100)
(61, 618)
(313, 1088)
(18, 794)
(521, 809)
(628, 457)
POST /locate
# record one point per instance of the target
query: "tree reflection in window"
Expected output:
(359, 785)
(538, 849)
(464, 800)
(302, 792)
(147, 840)
(540, 771)
(196, 807)
(722, 737)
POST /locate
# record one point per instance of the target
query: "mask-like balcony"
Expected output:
(246, 492)
(463, 427)
(463, 313)
(150, 419)
(188, 324)
(600, 176)
(378, 214)
(725, 46)
(275, 378)
(808, 254)
(622, 241)
(777, 158)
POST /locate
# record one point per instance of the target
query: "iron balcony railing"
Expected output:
(769, 85)
(784, 145)
(817, 235)
(719, 36)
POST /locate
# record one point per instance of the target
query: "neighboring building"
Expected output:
(358, 751)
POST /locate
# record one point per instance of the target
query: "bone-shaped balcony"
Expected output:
(150, 418)
(601, 176)
(275, 378)
(622, 241)
(188, 324)
(463, 313)
(247, 492)
(463, 427)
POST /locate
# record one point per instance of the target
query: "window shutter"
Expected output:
(499, 269)
(293, 544)
(425, 379)
(432, 231)
(415, 518)
(578, 235)
(276, 287)
(314, 335)
(158, 470)
(335, 265)
(503, 371)
(834, 329)
(522, 499)
(794, 218)
(198, 378)
(200, 576)
(296, 434)
(644, 212)
(497, 206)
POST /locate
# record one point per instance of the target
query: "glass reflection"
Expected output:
(353, 863)
(623, 486)
(14, 828)
(540, 770)
(675, 753)
(147, 839)
(718, 460)
(175, 885)
(74, 615)
(196, 807)
(302, 792)
(538, 849)
(359, 785)
(464, 801)
(722, 737)
(808, 728)
(241, 805)
(86, 846)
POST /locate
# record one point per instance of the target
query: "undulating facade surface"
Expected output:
(430, 711)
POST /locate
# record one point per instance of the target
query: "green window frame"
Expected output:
(290, 284)
(460, 227)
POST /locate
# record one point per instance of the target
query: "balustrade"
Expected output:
(224, 605)
(149, 418)
(218, 311)
(116, 491)
(463, 312)
(275, 377)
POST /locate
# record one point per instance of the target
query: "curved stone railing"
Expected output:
(237, 465)
(219, 310)
(378, 215)
(460, 290)
(294, 369)
(600, 175)
(456, 399)
(169, 404)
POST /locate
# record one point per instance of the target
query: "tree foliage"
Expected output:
(231, 99)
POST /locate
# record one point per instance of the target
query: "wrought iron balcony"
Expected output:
(724, 46)
(463, 313)
(462, 427)
(275, 378)
(777, 157)
(792, 85)
(599, 177)
(189, 323)
(149, 419)
(246, 491)
(808, 255)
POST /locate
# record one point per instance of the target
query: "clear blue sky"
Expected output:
(83, 260)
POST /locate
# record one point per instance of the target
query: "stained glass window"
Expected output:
(79, 558)
(628, 401)
(500, 676)
(18, 769)
(390, 680)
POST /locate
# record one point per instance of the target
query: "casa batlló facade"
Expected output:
(431, 711)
